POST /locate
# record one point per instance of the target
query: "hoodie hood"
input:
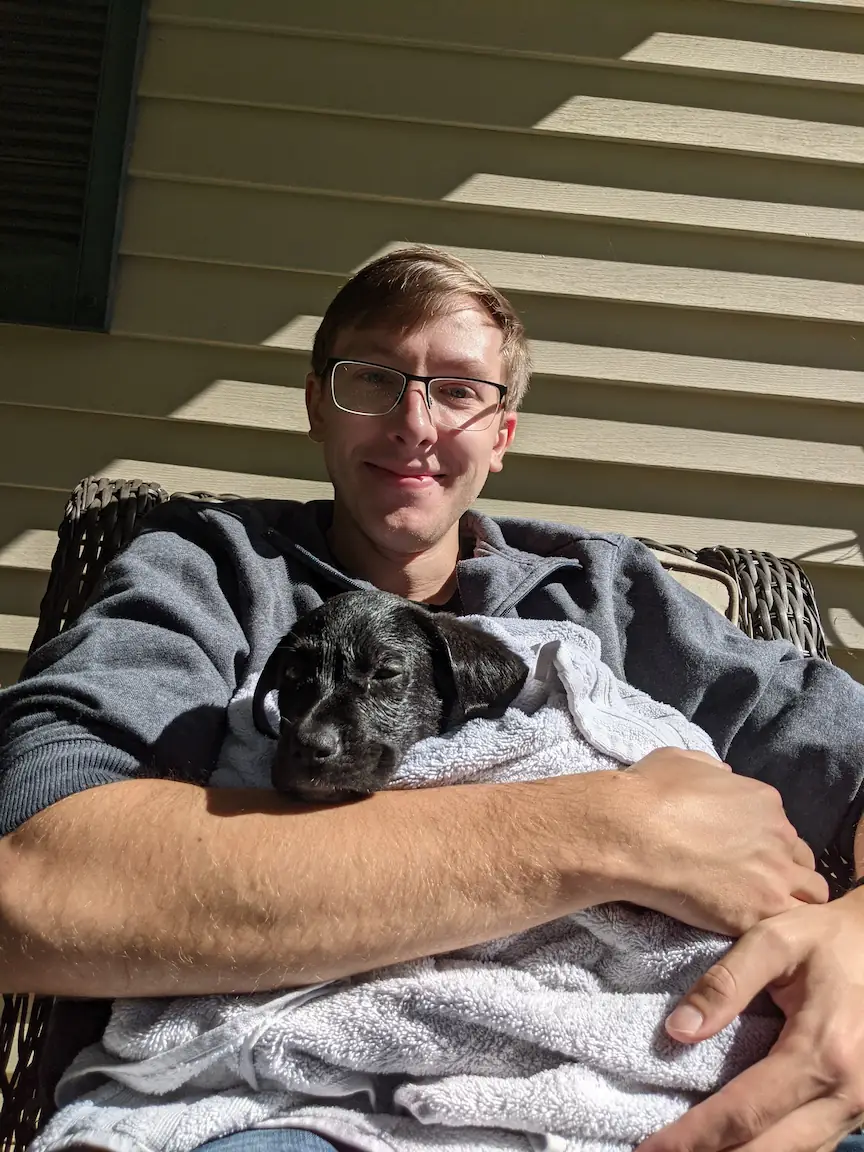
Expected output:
(505, 558)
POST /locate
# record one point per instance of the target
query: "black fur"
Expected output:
(367, 675)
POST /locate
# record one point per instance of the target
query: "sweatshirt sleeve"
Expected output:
(138, 686)
(794, 721)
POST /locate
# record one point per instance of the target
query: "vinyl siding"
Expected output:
(671, 191)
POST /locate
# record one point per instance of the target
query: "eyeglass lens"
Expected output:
(368, 390)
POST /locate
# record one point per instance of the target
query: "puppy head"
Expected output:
(367, 675)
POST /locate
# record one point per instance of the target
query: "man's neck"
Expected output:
(428, 576)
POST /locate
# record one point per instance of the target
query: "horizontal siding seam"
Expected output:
(841, 6)
(553, 293)
(171, 338)
(165, 257)
(16, 632)
(646, 221)
(262, 350)
(458, 47)
(504, 129)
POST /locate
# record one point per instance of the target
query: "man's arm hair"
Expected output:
(161, 888)
(121, 875)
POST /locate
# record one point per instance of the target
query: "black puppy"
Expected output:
(367, 675)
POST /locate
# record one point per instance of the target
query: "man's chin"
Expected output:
(408, 521)
(412, 527)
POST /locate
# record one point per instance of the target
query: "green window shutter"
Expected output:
(67, 82)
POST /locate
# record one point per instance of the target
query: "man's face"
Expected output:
(402, 480)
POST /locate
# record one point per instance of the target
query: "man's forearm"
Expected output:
(154, 887)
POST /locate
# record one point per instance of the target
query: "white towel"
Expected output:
(549, 1039)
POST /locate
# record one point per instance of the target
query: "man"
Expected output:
(121, 876)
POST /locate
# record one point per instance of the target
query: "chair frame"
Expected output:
(776, 601)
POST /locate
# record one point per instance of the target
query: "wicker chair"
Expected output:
(768, 598)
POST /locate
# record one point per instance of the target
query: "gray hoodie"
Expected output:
(139, 685)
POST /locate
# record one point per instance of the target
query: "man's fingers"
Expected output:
(810, 887)
(802, 854)
(817, 1126)
(747, 1108)
(726, 989)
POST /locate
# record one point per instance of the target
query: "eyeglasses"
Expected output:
(374, 390)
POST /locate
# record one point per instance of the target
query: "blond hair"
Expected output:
(411, 286)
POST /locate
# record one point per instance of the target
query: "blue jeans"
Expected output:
(295, 1140)
(270, 1140)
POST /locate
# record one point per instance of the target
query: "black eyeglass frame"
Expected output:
(334, 362)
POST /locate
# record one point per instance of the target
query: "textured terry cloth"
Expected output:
(548, 1039)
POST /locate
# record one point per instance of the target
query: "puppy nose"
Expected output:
(321, 743)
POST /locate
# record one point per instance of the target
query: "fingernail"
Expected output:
(685, 1019)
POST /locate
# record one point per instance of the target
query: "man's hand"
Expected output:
(808, 1093)
(714, 849)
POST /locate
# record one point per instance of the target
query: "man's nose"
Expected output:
(411, 420)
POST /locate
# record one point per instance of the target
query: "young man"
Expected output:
(121, 876)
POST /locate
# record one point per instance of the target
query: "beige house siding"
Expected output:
(672, 191)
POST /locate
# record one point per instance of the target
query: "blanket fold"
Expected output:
(550, 1039)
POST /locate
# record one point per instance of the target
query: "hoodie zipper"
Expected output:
(284, 544)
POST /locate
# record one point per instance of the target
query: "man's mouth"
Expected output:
(404, 477)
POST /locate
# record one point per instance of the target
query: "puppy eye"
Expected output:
(387, 672)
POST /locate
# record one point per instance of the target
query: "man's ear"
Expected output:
(503, 440)
(316, 401)
(477, 675)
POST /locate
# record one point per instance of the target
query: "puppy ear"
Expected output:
(479, 676)
(270, 678)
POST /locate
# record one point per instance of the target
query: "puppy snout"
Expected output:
(318, 744)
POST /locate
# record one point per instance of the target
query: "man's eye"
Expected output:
(387, 672)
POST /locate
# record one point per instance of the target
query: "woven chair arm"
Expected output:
(101, 517)
(777, 598)
(777, 601)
